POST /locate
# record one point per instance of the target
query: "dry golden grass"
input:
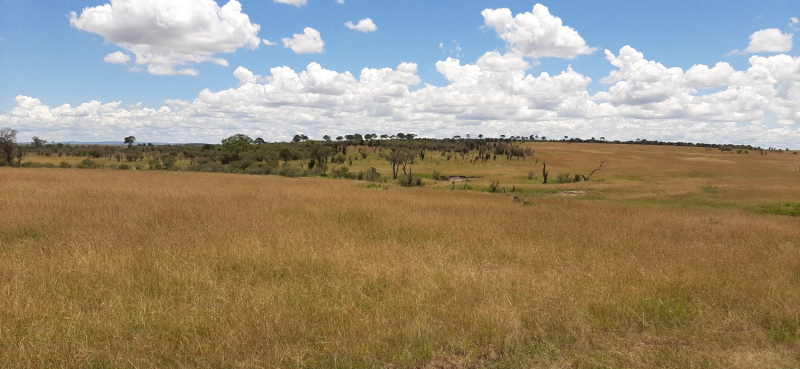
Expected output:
(665, 263)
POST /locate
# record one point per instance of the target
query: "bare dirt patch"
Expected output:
(572, 193)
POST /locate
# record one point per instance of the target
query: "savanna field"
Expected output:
(673, 257)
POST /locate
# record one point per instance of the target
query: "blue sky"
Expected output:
(47, 60)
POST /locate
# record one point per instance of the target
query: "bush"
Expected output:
(291, 171)
(493, 186)
(363, 155)
(156, 165)
(409, 180)
(169, 161)
(439, 176)
(242, 164)
(371, 175)
(64, 164)
(261, 168)
(342, 172)
(564, 178)
(338, 159)
(88, 164)
(124, 167)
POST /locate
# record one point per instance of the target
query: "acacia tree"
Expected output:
(400, 159)
(38, 142)
(130, 140)
(8, 138)
(237, 143)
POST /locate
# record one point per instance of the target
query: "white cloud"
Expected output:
(244, 76)
(770, 40)
(794, 22)
(117, 57)
(269, 43)
(496, 62)
(340, 1)
(308, 42)
(536, 34)
(495, 95)
(167, 35)
(297, 3)
(365, 25)
(646, 89)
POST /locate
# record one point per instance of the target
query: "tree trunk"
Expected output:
(544, 172)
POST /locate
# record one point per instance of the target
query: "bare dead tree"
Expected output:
(544, 172)
(602, 164)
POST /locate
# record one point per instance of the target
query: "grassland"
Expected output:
(673, 257)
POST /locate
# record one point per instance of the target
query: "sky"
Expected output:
(715, 71)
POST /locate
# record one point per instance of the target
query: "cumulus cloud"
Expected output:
(495, 61)
(117, 57)
(494, 95)
(308, 42)
(244, 76)
(646, 89)
(770, 40)
(166, 36)
(297, 3)
(536, 34)
(365, 25)
(794, 22)
(340, 1)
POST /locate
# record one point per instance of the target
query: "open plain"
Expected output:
(672, 257)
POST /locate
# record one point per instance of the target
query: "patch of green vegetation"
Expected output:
(781, 329)
(666, 309)
(632, 178)
(13, 236)
(783, 208)
(711, 190)
(376, 186)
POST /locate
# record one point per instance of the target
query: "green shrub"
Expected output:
(439, 176)
(409, 180)
(64, 164)
(88, 164)
(124, 167)
(291, 171)
(363, 155)
(493, 186)
(342, 172)
(371, 175)
(169, 161)
(564, 178)
(784, 208)
(262, 168)
(156, 165)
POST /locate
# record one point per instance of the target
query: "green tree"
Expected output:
(237, 143)
(130, 140)
(8, 142)
(286, 155)
(38, 142)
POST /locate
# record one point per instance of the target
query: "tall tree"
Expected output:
(130, 140)
(237, 143)
(8, 142)
(38, 142)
